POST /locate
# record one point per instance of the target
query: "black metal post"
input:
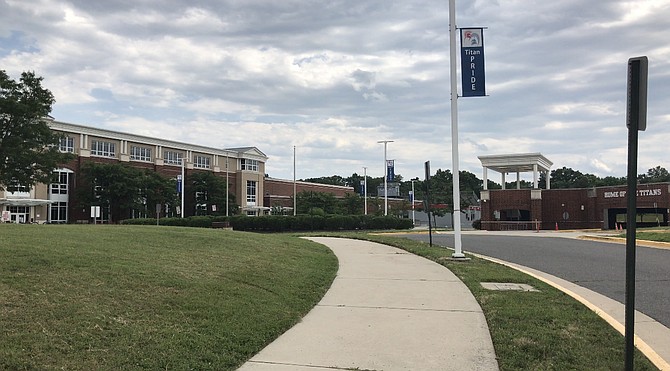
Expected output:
(631, 225)
(636, 111)
(430, 223)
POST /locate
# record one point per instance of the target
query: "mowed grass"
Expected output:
(545, 330)
(652, 234)
(83, 297)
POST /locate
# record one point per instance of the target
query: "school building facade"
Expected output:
(242, 168)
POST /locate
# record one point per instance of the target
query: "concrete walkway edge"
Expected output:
(387, 309)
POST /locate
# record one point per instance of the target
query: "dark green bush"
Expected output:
(477, 224)
(280, 223)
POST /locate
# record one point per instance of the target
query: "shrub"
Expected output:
(477, 224)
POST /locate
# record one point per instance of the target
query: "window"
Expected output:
(140, 153)
(172, 157)
(59, 185)
(251, 192)
(66, 144)
(247, 164)
(201, 162)
(15, 190)
(105, 149)
(58, 212)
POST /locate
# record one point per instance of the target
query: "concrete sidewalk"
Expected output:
(386, 310)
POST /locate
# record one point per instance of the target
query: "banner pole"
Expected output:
(458, 253)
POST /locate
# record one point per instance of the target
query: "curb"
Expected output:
(640, 344)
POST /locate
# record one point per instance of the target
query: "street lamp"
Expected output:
(412, 200)
(227, 191)
(386, 169)
(365, 189)
(295, 200)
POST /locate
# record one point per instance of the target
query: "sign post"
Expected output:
(636, 120)
(427, 203)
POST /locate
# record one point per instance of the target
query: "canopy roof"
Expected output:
(24, 202)
(522, 162)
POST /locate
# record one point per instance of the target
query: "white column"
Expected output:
(518, 180)
(486, 179)
(503, 180)
(546, 176)
(535, 176)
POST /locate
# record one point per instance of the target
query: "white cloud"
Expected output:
(334, 78)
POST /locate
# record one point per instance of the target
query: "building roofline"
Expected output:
(81, 129)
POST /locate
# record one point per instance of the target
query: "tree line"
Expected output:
(440, 184)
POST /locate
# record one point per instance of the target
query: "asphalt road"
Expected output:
(598, 266)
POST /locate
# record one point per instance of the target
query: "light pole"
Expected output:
(183, 186)
(295, 200)
(411, 199)
(227, 193)
(458, 252)
(365, 189)
(386, 169)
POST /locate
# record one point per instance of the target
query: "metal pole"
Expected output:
(631, 224)
(636, 114)
(183, 186)
(413, 195)
(458, 253)
(430, 228)
(227, 193)
(365, 188)
(386, 199)
(386, 188)
(295, 200)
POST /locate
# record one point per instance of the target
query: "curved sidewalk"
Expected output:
(386, 310)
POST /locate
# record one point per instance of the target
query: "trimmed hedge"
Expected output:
(276, 223)
(279, 223)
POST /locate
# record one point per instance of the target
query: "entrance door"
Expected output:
(19, 214)
(19, 218)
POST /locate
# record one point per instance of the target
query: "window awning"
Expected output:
(24, 202)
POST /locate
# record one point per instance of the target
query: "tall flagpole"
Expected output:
(458, 252)
(295, 200)
(386, 173)
(227, 192)
(365, 189)
(183, 186)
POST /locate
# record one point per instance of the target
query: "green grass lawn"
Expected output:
(138, 297)
(659, 234)
(546, 330)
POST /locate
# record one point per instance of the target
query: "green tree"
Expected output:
(28, 147)
(307, 201)
(352, 204)
(657, 174)
(566, 177)
(123, 191)
(209, 189)
(113, 187)
(332, 180)
(155, 189)
(611, 181)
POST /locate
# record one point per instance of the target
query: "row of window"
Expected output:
(108, 149)
(58, 210)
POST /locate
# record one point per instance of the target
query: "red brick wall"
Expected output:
(560, 203)
(576, 208)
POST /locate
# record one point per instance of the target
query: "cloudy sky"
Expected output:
(333, 77)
